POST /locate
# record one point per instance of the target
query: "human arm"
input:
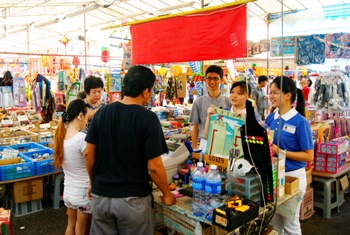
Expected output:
(211, 110)
(89, 155)
(158, 174)
(195, 136)
(301, 156)
(92, 112)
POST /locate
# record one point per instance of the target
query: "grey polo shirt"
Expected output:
(200, 109)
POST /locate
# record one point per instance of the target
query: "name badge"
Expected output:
(289, 128)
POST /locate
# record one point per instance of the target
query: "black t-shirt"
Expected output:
(126, 137)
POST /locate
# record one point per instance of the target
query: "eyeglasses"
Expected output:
(215, 79)
(274, 93)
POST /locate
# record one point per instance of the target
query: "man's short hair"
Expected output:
(262, 78)
(215, 69)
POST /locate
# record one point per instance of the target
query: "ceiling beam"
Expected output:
(219, 7)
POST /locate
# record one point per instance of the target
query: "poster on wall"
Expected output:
(309, 50)
(279, 47)
(337, 45)
(264, 45)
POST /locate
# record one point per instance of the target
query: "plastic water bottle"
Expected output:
(212, 191)
(198, 186)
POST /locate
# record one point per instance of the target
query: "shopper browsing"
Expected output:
(93, 87)
(259, 96)
(295, 138)
(213, 76)
(69, 146)
(239, 93)
(124, 147)
(304, 83)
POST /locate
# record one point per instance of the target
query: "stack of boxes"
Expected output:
(331, 156)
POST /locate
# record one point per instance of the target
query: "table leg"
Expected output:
(56, 193)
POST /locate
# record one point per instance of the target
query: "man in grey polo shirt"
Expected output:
(213, 77)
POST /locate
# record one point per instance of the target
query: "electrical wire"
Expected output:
(251, 158)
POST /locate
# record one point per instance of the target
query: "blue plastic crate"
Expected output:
(27, 147)
(43, 166)
(17, 171)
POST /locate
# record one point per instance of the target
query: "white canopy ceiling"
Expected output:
(36, 26)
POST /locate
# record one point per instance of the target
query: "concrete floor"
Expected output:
(53, 222)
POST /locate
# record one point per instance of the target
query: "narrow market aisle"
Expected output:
(53, 222)
(46, 222)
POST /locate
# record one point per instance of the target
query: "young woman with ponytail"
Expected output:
(293, 134)
(69, 145)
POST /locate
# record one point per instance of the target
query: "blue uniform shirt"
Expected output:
(295, 135)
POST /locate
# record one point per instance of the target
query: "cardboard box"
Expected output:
(344, 183)
(291, 184)
(28, 190)
(222, 163)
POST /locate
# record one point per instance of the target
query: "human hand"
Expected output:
(211, 110)
(168, 199)
(274, 149)
(89, 192)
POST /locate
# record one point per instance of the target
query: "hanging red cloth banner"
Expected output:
(217, 34)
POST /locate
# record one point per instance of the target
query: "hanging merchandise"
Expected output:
(76, 61)
(19, 92)
(114, 82)
(81, 75)
(6, 98)
(127, 62)
(35, 94)
(171, 94)
(330, 91)
(73, 92)
(309, 50)
(105, 54)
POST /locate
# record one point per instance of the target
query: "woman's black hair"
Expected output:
(243, 85)
(92, 82)
(75, 107)
(288, 85)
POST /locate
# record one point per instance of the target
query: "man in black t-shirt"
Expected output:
(124, 144)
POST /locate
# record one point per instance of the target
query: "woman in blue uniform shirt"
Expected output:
(295, 138)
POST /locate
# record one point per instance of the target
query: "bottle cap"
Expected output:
(200, 164)
(213, 167)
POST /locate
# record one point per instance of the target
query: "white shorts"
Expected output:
(76, 198)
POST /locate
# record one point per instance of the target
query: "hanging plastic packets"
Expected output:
(19, 92)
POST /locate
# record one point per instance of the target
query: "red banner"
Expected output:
(218, 34)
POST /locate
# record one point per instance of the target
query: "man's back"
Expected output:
(123, 136)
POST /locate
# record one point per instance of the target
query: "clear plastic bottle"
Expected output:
(198, 185)
(212, 191)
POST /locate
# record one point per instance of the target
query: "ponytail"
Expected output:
(58, 144)
(300, 106)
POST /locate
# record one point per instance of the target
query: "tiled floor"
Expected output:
(53, 222)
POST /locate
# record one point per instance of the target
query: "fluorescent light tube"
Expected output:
(46, 23)
(83, 10)
(176, 7)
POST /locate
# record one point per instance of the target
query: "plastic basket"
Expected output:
(43, 166)
(27, 147)
(17, 171)
(307, 205)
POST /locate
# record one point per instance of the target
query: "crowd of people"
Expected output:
(111, 153)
